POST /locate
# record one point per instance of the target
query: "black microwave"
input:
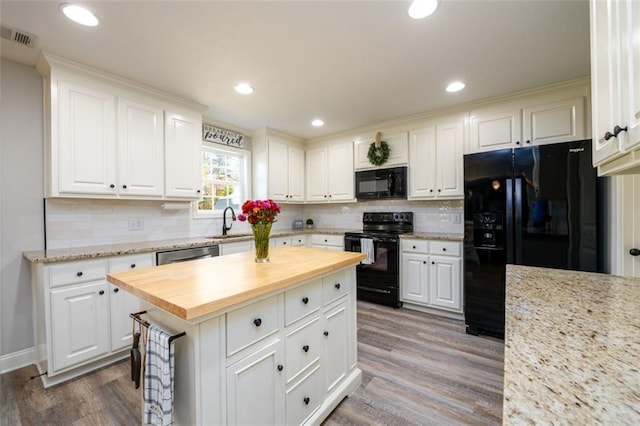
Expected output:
(382, 184)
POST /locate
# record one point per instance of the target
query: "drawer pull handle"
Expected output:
(79, 274)
(115, 290)
(305, 300)
(433, 263)
(414, 247)
(305, 348)
(444, 249)
(101, 292)
(424, 262)
(306, 400)
(280, 367)
(112, 186)
(326, 333)
(337, 286)
(133, 265)
(257, 322)
(124, 186)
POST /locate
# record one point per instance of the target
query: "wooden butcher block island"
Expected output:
(271, 343)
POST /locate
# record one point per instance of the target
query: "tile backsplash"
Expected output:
(82, 222)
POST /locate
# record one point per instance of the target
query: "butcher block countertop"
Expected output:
(572, 348)
(198, 288)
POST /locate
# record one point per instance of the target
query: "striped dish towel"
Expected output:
(158, 378)
(366, 247)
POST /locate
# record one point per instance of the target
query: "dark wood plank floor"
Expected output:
(417, 368)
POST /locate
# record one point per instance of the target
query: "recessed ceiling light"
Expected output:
(456, 86)
(79, 14)
(317, 123)
(422, 8)
(243, 88)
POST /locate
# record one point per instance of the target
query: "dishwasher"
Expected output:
(183, 255)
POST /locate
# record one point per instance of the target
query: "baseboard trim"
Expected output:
(16, 360)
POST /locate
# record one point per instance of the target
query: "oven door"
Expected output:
(378, 282)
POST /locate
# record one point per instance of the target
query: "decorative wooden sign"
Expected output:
(225, 137)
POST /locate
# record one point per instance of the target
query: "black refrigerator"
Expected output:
(535, 206)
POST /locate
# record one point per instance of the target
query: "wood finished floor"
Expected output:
(418, 369)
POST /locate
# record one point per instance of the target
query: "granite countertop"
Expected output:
(92, 252)
(201, 293)
(434, 236)
(572, 348)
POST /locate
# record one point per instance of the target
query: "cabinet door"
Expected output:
(340, 173)
(445, 283)
(422, 162)
(295, 174)
(183, 156)
(336, 346)
(79, 323)
(556, 122)
(140, 149)
(86, 142)
(255, 388)
(398, 151)
(630, 62)
(449, 140)
(317, 174)
(123, 303)
(495, 130)
(415, 278)
(278, 165)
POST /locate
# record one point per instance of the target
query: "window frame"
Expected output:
(245, 179)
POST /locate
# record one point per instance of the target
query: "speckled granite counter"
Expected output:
(80, 253)
(572, 348)
(434, 236)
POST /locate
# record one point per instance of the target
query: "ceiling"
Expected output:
(351, 63)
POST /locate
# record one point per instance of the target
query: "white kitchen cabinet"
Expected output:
(106, 137)
(336, 345)
(436, 161)
(236, 247)
(615, 70)
(305, 397)
(286, 171)
(327, 242)
(183, 155)
(494, 128)
(255, 388)
(292, 241)
(330, 174)
(431, 276)
(553, 122)
(398, 151)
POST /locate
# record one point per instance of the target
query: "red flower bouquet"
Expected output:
(260, 214)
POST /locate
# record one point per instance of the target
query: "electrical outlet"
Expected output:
(136, 224)
(456, 218)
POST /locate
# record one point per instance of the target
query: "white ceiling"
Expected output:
(351, 63)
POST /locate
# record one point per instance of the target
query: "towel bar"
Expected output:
(136, 318)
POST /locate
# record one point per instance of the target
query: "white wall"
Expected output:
(21, 195)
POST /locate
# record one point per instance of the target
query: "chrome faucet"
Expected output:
(224, 220)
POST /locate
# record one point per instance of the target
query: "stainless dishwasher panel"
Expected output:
(183, 255)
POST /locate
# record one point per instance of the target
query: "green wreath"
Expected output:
(378, 156)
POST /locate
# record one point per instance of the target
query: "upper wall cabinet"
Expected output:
(532, 120)
(398, 151)
(330, 174)
(435, 160)
(615, 85)
(278, 167)
(109, 138)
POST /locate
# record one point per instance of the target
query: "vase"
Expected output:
(261, 233)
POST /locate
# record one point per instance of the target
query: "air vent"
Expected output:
(19, 36)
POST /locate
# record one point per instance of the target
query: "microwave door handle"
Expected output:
(391, 184)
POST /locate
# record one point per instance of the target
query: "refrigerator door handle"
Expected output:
(509, 218)
(517, 226)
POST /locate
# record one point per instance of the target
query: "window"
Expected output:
(225, 177)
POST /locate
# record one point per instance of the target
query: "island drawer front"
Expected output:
(77, 272)
(418, 246)
(304, 398)
(303, 347)
(250, 324)
(130, 262)
(335, 286)
(302, 301)
(445, 248)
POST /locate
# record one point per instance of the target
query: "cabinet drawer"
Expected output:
(302, 301)
(304, 398)
(281, 242)
(419, 246)
(335, 286)
(130, 262)
(327, 240)
(302, 348)
(299, 240)
(445, 248)
(250, 324)
(77, 272)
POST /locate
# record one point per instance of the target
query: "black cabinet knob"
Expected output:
(433, 263)
(280, 367)
(115, 290)
(101, 292)
(326, 333)
(306, 400)
(444, 249)
(198, 191)
(329, 195)
(305, 348)
(634, 252)
(414, 247)
(439, 190)
(608, 135)
(79, 273)
(337, 286)
(431, 190)
(133, 265)
(124, 186)
(257, 322)
(528, 141)
(305, 300)
(325, 196)
(617, 130)
(112, 186)
(517, 142)
(424, 262)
